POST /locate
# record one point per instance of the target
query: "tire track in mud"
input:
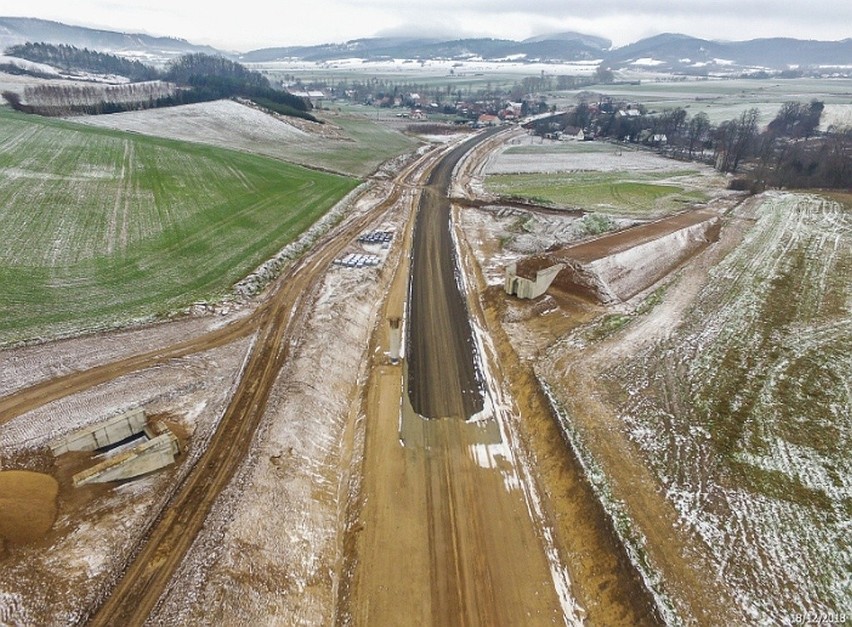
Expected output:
(51, 390)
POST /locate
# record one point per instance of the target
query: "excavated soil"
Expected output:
(27, 505)
(467, 523)
(485, 522)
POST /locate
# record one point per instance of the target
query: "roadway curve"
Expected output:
(443, 377)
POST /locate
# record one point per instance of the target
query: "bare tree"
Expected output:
(697, 130)
(735, 140)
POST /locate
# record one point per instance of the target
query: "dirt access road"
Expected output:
(442, 540)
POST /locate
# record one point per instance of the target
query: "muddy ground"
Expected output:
(311, 493)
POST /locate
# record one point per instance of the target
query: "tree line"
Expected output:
(211, 78)
(75, 99)
(790, 151)
(73, 59)
(188, 79)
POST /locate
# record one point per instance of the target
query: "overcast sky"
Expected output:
(250, 24)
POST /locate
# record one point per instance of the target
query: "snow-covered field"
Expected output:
(347, 145)
(27, 365)
(530, 154)
(29, 66)
(223, 122)
(433, 67)
(733, 386)
(744, 412)
(838, 116)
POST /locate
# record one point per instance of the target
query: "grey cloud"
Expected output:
(805, 14)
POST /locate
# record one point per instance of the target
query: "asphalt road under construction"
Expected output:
(444, 380)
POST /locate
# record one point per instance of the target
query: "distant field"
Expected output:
(101, 226)
(599, 176)
(567, 147)
(439, 75)
(724, 99)
(364, 146)
(349, 144)
(622, 193)
(744, 411)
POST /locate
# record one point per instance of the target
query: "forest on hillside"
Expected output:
(82, 60)
(188, 79)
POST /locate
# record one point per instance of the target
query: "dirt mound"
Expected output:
(617, 266)
(27, 505)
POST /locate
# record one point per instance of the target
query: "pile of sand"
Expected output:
(27, 505)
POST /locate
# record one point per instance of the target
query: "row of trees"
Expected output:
(211, 78)
(74, 99)
(788, 152)
(188, 79)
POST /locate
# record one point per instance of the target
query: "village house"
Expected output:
(486, 119)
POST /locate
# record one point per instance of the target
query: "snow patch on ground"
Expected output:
(27, 365)
(551, 156)
(277, 526)
(836, 115)
(57, 581)
(767, 492)
(29, 66)
(435, 67)
(223, 122)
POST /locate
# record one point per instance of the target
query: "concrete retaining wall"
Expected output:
(523, 287)
(102, 434)
(145, 458)
(625, 273)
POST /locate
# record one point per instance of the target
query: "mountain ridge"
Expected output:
(666, 52)
(19, 30)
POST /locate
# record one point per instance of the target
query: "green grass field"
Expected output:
(619, 193)
(367, 145)
(100, 227)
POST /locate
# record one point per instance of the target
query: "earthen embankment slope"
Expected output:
(617, 266)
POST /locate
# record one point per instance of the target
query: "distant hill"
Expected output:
(558, 48)
(19, 30)
(669, 53)
(681, 53)
(590, 40)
